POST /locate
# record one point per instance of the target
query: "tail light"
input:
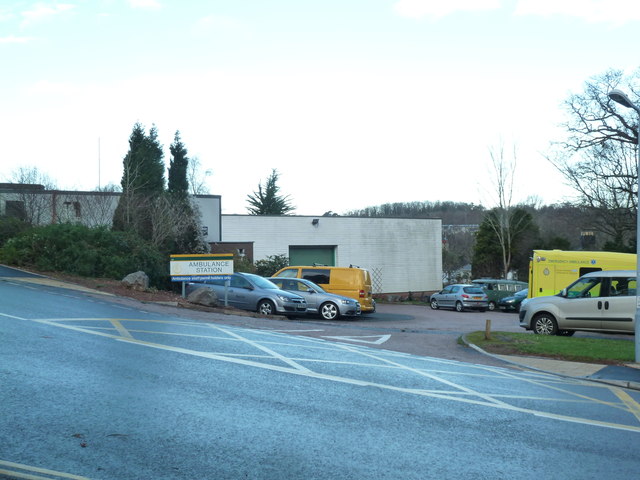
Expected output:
(464, 295)
(362, 294)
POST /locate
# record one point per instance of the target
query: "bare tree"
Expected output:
(597, 159)
(593, 117)
(93, 209)
(504, 220)
(176, 222)
(30, 204)
(197, 178)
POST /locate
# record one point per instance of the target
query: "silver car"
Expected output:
(255, 293)
(328, 305)
(460, 297)
(602, 301)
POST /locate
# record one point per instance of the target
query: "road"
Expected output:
(104, 388)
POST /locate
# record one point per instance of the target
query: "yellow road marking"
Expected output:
(545, 384)
(297, 369)
(632, 405)
(121, 330)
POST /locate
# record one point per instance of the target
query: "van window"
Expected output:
(623, 287)
(289, 273)
(317, 275)
(585, 287)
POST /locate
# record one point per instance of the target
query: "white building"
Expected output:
(402, 254)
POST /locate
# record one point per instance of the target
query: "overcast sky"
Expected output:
(355, 102)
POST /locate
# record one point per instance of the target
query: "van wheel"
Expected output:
(434, 304)
(266, 307)
(545, 324)
(459, 307)
(329, 311)
(492, 306)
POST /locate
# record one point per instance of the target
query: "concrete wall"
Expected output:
(92, 208)
(403, 255)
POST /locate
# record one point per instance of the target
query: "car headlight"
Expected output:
(283, 298)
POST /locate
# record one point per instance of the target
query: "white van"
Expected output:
(599, 301)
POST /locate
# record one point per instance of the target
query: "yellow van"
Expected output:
(350, 282)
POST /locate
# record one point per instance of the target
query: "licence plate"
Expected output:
(477, 298)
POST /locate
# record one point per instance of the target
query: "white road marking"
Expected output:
(28, 468)
(379, 339)
(277, 355)
(459, 393)
(298, 331)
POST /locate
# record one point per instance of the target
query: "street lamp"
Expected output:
(621, 98)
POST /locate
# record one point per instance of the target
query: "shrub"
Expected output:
(84, 251)
(243, 264)
(11, 227)
(271, 264)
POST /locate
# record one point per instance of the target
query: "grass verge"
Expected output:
(589, 350)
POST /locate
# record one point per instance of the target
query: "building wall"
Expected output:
(43, 207)
(403, 255)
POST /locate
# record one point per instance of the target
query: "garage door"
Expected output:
(308, 255)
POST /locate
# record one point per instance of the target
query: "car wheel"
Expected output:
(492, 306)
(459, 307)
(329, 311)
(545, 324)
(266, 307)
(566, 333)
(434, 304)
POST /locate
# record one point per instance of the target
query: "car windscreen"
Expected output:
(473, 290)
(262, 282)
(316, 287)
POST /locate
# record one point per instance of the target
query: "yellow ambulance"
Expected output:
(552, 270)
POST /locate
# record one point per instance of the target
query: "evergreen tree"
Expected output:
(267, 201)
(489, 250)
(178, 166)
(142, 182)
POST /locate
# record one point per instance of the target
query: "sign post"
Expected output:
(199, 267)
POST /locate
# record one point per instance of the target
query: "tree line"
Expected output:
(596, 157)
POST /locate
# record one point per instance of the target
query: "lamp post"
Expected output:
(621, 98)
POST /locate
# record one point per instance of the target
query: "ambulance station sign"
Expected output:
(194, 268)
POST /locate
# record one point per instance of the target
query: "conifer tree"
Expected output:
(142, 182)
(267, 201)
(179, 163)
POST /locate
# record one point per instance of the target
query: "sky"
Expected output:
(355, 103)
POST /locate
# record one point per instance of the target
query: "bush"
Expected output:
(84, 251)
(11, 227)
(243, 264)
(270, 265)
